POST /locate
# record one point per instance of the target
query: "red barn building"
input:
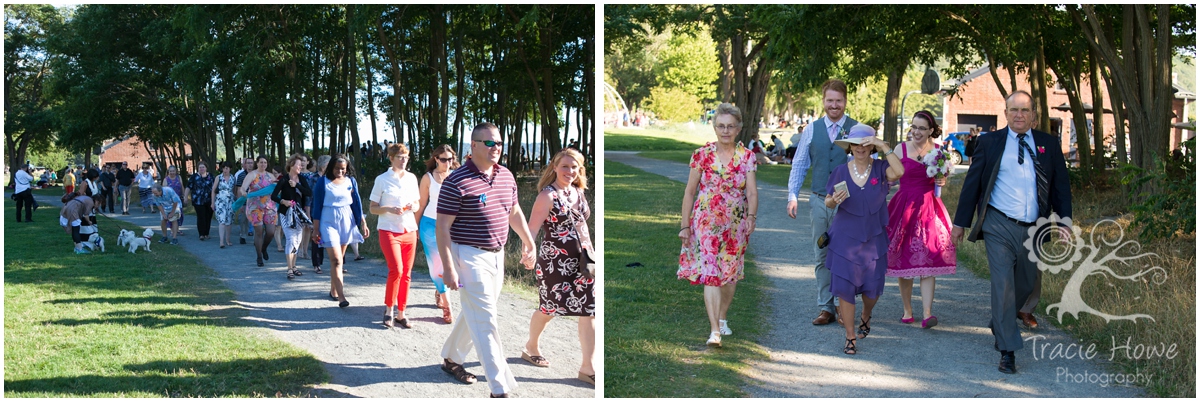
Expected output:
(133, 151)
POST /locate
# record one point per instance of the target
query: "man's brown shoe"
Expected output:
(1027, 319)
(824, 319)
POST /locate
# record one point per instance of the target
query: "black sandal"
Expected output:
(297, 272)
(291, 275)
(318, 269)
(864, 329)
(458, 372)
(850, 348)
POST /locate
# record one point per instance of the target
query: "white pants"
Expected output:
(482, 275)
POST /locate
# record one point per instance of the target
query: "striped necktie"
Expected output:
(1043, 185)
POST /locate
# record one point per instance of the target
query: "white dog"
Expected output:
(123, 237)
(143, 242)
(92, 234)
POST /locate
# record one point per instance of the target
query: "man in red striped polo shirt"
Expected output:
(476, 207)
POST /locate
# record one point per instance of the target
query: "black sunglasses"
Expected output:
(447, 160)
(490, 143)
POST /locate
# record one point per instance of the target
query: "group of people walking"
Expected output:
(460, 214)
(858, 236)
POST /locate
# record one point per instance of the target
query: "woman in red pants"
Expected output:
(394, 198)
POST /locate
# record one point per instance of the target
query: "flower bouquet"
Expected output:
(937, 165)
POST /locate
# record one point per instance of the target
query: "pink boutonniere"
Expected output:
(1041, 150)
(874, 181)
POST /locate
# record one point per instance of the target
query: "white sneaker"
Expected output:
(714, 339)
(725, 328)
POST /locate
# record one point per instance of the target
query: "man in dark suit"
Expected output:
(1017, 175)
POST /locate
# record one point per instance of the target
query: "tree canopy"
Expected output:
(232, 80)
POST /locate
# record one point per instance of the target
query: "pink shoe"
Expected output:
(908, 320)
(929, 322)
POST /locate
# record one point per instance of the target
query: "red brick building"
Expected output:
(133, 151)
(978, 103)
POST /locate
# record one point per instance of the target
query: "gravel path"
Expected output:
(898, 360)
(364, 358)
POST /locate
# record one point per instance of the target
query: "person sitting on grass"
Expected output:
(170, 208)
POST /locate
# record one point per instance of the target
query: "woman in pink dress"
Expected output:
(718, 220)
(918, 224)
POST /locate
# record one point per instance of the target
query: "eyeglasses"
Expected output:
(490, 143)
(445, 160)
(920, 128)
(729, 127)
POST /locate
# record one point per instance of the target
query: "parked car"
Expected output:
(956, 147)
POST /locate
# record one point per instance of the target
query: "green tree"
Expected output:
(689, 63)
(29, 120)
(674, 104)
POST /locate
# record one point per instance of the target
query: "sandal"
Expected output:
(403, 323)
(864, 329)
(297, 272)
(446, 315)
(850, 348)
(590, 379)
(458, 372)
(318, 269)
(291, 274)
(437, 300)
(535, 360)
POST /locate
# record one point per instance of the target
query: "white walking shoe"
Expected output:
(714, 339)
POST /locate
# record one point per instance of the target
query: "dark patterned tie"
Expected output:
(1043, 185)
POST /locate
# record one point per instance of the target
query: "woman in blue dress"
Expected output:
(337, 215)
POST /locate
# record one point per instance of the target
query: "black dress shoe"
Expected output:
(1008, 363)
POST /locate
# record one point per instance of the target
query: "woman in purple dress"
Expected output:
(918, 225)
(858, 243)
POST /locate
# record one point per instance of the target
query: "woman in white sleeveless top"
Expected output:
(438, 167)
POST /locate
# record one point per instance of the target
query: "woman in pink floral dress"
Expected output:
(918, 223)
(717, 221)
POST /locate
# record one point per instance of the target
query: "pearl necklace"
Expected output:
(860, 177)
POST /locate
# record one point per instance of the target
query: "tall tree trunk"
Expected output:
(891, 108)
(370, 96)
(1098, 159)
(749, 90)
(1069, 77)
(727, 75)
(352, 91)
(1041, 88)
(460, 76)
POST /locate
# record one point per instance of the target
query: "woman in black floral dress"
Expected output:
(561, 210)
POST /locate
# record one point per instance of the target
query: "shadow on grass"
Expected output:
(183, 378)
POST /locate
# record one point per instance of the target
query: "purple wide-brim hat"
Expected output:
(857, 133)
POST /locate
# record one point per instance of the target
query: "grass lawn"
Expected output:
(1172, 303)
(119, 325)
(656, 324)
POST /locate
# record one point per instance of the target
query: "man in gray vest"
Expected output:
(816, 148)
